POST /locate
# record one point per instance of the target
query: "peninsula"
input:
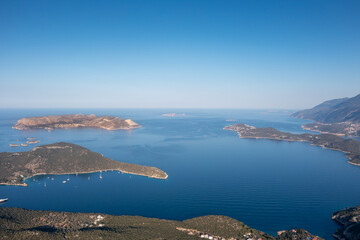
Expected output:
(75, 121)
(63, 158)
(29, 224)
(337, 116)
(350, 147)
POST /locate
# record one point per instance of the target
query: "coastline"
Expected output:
(313, 130)
(311, 144)
(14, 184)
(346, 154)
(74, 173)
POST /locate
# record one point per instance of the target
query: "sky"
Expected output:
(282, 54)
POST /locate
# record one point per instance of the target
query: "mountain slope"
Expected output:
(319, 111)
(338, 116)
(334, 111)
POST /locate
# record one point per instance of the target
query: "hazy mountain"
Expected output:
(334, 111)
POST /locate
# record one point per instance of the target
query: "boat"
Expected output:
(24, 145)
(63, 181)
(3, 200)
(100, 176)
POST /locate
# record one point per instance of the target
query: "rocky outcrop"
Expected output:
(75, 121)
(350, 220)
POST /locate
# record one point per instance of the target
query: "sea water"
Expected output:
(269, 185)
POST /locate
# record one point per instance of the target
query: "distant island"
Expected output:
(337, 116)
(75, 121)
(350, 147)
(25, 224)
(172, 114)
(63, 158)
(350, 220)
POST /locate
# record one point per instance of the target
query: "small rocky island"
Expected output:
(350, 220)
(75, 121)
(63, 158)
(350, 147)
(29, 224)
(172, 114)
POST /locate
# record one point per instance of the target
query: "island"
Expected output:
(350, 147)
(75, 121)
(337, 116)
(34, 224)
(349, 219)
(172, 114)
(63, 158)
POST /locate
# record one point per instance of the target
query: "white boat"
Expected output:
(63, 181)
(3, 200)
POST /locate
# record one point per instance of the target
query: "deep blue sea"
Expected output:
(269, 185)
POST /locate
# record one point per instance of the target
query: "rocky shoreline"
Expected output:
(349, 219)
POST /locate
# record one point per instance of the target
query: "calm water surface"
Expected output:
(270, 185)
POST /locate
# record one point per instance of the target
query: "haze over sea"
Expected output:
(269, 185)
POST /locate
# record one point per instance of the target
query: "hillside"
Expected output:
(338, 116)
(334, 111)
(63, 158)
(16, 223)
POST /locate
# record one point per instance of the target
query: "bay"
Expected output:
(269, 185)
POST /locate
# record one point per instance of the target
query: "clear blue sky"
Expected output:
(178, 54)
